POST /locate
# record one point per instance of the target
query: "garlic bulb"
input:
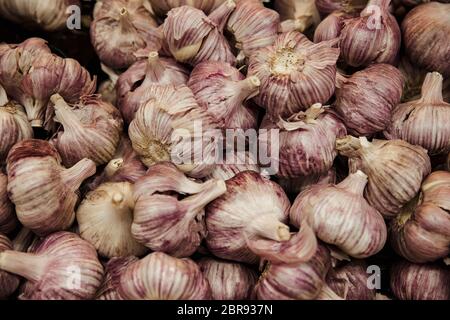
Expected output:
(14, 125)
(326, 7)
(421, 232)
(373, 37)
(62, 266)
(92, 129)
(341, 216)
(8, 219)
(425, 29)
(300, 281)
(410, 281)
(297, 15)
(107, 89)
(114, 268)
(252, 27)
(365, 100)
(295, 74)
(135, 85)
(105, 217)
(120, 28)
(307, 141)
(293, 186)
(228, 280)
(161, 7)
(164, 223)
(235, 162)
(222, 90)
(350, 281)
(172, 127)
(249, 221)
(8, 282)
(159, 276)
(331, 27)
(45, 203)
(48, 15)
(395, 170)
(424, 121)
(193, 37)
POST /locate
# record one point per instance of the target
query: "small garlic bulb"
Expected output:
(62, 266)
(134, 86)
(424, 121)
(228, 280)
(162, 221)
(159, 276)
(161, 7)
(297, 15)
(294, 73)
(395, 170)
(92, 129)
(8, 219)
(341, 216)
(8, 282)
(45, 203)
(114, 268)
(105, 217)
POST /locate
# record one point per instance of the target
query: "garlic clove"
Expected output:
(8, 282)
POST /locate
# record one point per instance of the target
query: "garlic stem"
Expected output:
(355, 182)
(27, 265)
(268, 226)
(220, 15)
(248, 87)
(212, 190)
(432, 88)
(125, 21)
(113, 166)
(73, 177)
(64, 113)
(348, 145)
(155, 69)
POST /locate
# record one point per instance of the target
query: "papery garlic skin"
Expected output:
(105, 217)
(114, 268)
(120, 28)
(421, 232)
(330, 27)
(306, 142)
(159, 276)
(341, 216)
(161, 7)
(136, 85)
(228, 280)
(61, 266)
(301, 281)
(8, 219)
(424, 121)
(46, 202)
(381, 160)
(326, 7)
(92, 129)
(47, 15)
(410, 281)
(294, 73)
(425, 29)
(366, 99)
(297, 15)
(8, 281)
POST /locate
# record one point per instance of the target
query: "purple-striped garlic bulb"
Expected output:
(306, 143)
(425, 32)
(46, 202)
(421, 232)
(172, 127)
(365, 100)
(14, 125)
(331, 27)
(395, 170)
(249, 222)
(61, 266)
(252, 26)
(91, 129)
(8, 281)
(104, 219)
(114, 268)
(295, 281)
(326, 7)
(223, 91)
(294, 73)
(135, 85)
(235, 162)
(411, 281)
(297, 15)
(8, 219)
(193, 37)
(350, 281)
(159, 276)
(161, 7)
(228, 280)
(165, 222)
(424, 121)
(120, 28)
(293, 186)
(341, 216)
